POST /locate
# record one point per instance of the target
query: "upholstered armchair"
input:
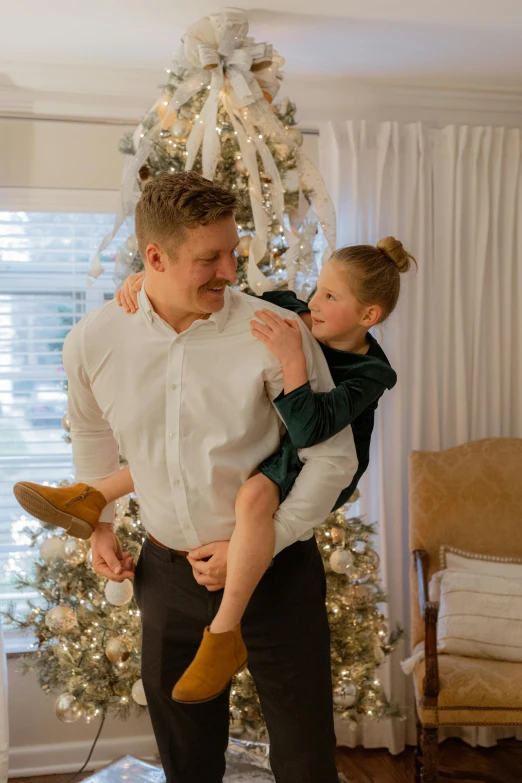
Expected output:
(470, 498)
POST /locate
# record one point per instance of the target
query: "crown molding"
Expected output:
(122, 96)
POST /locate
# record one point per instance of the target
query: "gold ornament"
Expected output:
(117, 649)
(240, 166)
(338, 536)
(66, 708)
(355, 497)
(75, 551)
(295, 135)
(181, 129)
(61, 619)
(163, 105)
(282, 150)
(244, 245)
(66, 422)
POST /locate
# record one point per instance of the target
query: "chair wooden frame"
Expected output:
(427, 768)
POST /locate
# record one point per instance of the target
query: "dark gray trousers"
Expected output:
(285, 629)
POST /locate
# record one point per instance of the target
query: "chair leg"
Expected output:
(430, 755)
(417, 758)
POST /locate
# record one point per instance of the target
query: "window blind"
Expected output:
(44, 261)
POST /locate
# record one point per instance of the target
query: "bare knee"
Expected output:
(257, 498)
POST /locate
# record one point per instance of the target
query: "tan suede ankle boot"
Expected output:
(220, 656)
(76, 508)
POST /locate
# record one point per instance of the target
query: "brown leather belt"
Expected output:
(158, 543)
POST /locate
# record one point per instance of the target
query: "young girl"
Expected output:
(357, 289)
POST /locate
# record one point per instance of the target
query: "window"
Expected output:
(44, 260)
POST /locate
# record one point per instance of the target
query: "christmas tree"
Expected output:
(215, 114)
(88, 629)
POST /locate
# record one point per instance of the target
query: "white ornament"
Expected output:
(240, 166)
(119, 593)
(52, 549)
(340, 560)
(66, 708)
(138, 694)
(75, 551)
(61, 619)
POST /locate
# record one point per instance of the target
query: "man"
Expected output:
(185, 392)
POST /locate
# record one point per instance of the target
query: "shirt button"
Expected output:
(177, 482)
(171, 435)
(172, 385)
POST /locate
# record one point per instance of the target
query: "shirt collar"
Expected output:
(219, 318)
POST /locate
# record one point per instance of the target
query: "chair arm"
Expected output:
(429, 612)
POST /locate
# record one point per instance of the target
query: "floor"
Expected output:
(377, 766)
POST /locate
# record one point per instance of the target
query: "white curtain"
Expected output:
(453, 196)
(4, 724)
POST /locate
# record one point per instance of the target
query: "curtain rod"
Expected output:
(98, 121)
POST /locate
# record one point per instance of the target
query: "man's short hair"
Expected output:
(173, 202)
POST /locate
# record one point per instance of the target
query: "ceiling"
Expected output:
(473, 44)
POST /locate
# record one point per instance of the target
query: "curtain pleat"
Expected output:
(453, 196)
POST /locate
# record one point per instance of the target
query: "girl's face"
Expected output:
(336, 313)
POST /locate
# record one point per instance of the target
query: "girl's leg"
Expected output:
(115, 486)
(250, 551)
(77, 507)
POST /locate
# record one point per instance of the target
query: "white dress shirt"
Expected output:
(192, 413)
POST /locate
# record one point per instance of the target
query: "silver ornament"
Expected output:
(181, 128)
(52, 549)
(359, 547)
(75, 551)
(119, 593)
(66, 708)
(340, 560)
(61, 619)
(346, 694)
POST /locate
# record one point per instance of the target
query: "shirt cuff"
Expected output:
(107, 515)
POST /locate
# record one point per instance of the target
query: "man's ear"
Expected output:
(155, 257)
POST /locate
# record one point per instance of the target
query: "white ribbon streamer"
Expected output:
(218, 54)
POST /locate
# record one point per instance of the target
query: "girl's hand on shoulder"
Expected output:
(282, 336)
(127, 295)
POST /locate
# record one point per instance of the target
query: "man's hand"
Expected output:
(107, 558)
(127, 296)
(209, 565)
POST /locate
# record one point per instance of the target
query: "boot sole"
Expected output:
(38, 507)
(211, 698)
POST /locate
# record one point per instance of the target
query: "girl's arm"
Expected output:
(312, 417)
